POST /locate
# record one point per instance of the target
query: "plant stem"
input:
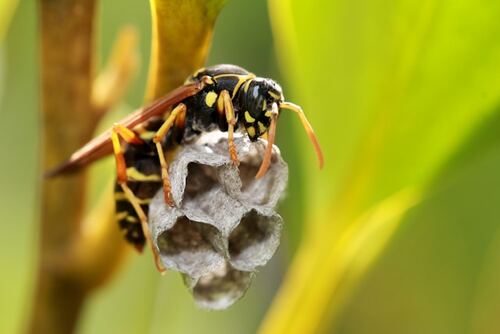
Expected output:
(66, 42)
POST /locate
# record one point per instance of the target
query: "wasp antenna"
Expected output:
(307, 126)
(269, 148)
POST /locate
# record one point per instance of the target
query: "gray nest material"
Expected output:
(224, 225)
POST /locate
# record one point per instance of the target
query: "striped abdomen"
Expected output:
(144, 180)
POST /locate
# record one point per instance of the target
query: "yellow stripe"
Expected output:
(135, 175)
(147, 135)
(241, 80)
(262, 128)
(121, 215)
(119, 196)
(247, 85)
(249, 118)
(132, 219)
(276, 96)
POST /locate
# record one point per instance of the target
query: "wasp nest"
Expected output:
(224, 225)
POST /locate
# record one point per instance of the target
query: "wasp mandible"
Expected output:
(223, 97)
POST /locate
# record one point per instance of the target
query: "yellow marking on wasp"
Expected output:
(121, 215)
(274, 95)
(241, 80)
(144, 133)
(147, 135)
(139, 128)
(264, 105)
(193, 78)
(268, 113)
(132, 219)
(251, 131)
(119, 196)
(249, 118)
(262, 127)
(247, 85)
(135, 175)
(210, 98)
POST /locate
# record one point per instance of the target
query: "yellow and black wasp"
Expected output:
(223, 97)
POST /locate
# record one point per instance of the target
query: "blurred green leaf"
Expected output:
(181, 39)
(440, 272)
(7, 10)
(393, 89)
(18, 106)
(355, 250)
(397, 76)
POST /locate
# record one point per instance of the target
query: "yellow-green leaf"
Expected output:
(182, 34)
(393, 89)
(7, 9)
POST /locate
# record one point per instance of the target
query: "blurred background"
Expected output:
(400, 231)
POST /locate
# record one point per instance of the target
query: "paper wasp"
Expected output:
(224, 97)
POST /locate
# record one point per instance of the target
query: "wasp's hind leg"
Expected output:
(225, 105)
(180, 109)
(128, 220)
(131, 138)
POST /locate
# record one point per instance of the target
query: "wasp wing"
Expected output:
(101, 145)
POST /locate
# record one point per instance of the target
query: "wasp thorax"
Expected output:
(257, 98)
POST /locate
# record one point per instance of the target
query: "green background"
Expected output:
(404, 95)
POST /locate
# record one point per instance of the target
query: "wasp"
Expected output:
(223, 97)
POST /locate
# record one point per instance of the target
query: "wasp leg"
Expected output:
(225, 104)
(160, 134)
(130, 137)
(144, 223)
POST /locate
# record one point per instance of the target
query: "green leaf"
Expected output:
(394, 90)
(440, 272)
(7, 10)
(182, 35)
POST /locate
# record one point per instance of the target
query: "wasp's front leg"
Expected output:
(225, 105)
(157, 139)
(131, 137)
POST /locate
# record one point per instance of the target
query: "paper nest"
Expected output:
(224, 225)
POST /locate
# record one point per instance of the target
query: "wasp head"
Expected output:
(259, 100)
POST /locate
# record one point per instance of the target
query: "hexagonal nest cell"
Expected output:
(219, 289)
(188, 247)
(253, 242)
(223, 226)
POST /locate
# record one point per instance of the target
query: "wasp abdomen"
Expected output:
(144, 180)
